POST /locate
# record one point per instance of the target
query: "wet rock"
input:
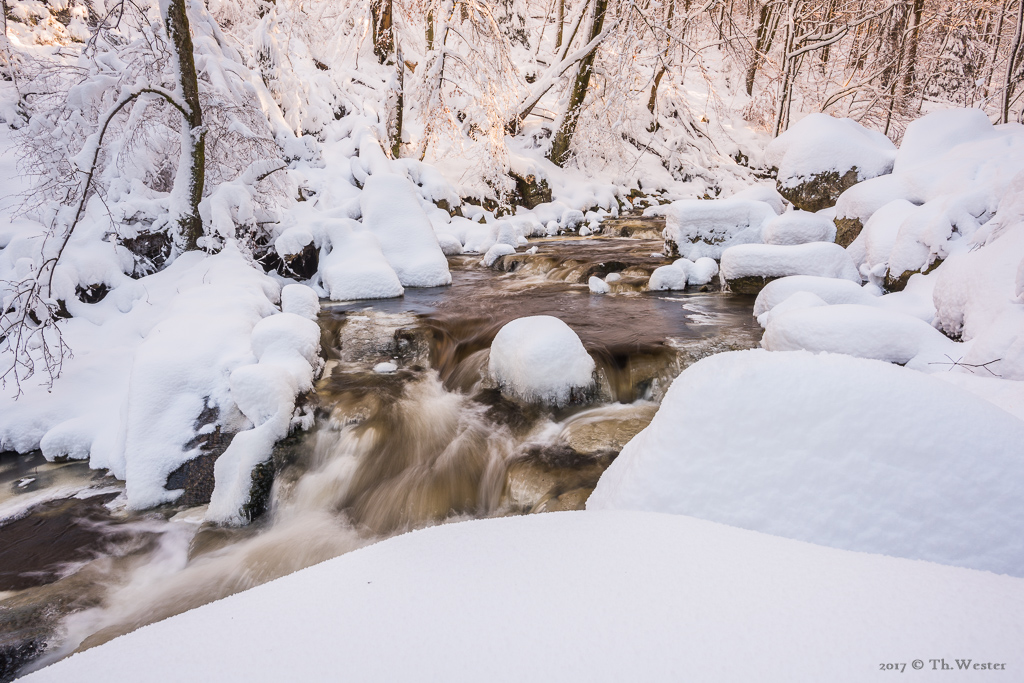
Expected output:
(748, 285)
(636, 228)
(551, 473)
(602, 434)
(530, 191)
(820, 191)
(195, 476)
(847, 230)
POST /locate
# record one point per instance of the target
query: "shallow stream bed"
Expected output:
(432, 441)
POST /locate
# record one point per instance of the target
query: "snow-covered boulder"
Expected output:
(355, 267)
(540, 358)
(496, 252)
(450, 244)
(696, 228)
(672, 276)
(598, 286)
(858, 330)
(300, 300)
(762, 193)
(829, 449)
(820, 157)
(702, 271)
(830, 290)
(392, 212)
(799, 227)
(748, 267)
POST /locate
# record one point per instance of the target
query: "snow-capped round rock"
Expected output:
(799, 227)
(668, 277)
(829, 289)
(702, 271)
(540, 358)
(829, 449)
(823, 259)
(598, 286)
(450, 244)
(300, 300)
(497, 251)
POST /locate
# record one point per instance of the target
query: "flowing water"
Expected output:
(433, 442)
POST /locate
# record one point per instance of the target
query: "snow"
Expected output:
(702, 271)
(597, 596)
(819, 143)
(355, 266)
(857, 330)
(706, 227)
(540, 358)
(668, 277)
(822, 259)
(385, 368)
(392, 212)
(300, 300)
(497, 251)
(598, 286)
(834, 450)
(799, 227)
(829, 289)
(450, 244)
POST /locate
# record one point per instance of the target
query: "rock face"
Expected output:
(530, 191)
(847, 230)
(820, 191)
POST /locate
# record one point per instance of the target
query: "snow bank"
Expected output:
(834, 450)
(819, 143)
(540, 358)
(822, 259)
(799, 227)
(705, 227)
(857, 330)
(353, 265)
(649, 597)
(392, 212)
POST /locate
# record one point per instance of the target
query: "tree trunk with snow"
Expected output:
(1011, 66)
(188, 184)
(562, 142)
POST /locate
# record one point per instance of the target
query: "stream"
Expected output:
(432, 442)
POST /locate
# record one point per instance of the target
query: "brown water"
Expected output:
(433, 442)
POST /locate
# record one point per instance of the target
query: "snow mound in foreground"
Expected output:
(540, 358)
(355, 267)
(650, 596)
(822, 259)
(834, 450)
(392, 211)
(819, 143)
(830, 290)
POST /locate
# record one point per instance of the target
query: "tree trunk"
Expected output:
(430, 30)
(561, 21)
(397, 108)
(562, 142)
(1011, 64)
(787, 70)
(915, 29)
(188, 184)
(761, 44)
(383, 35)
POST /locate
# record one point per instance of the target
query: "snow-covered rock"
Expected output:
(392, 212)
(857, 330)
(702, 271)
(820, 156)
(835, 450)
(355, 266)
(300, 300)
(450, 244)
(799, 227)
(762, 262)
(696, 228)
(672, 276)
(829, 289)
(496, 252)
(598, 286)
(650, 596)
(540, 358)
